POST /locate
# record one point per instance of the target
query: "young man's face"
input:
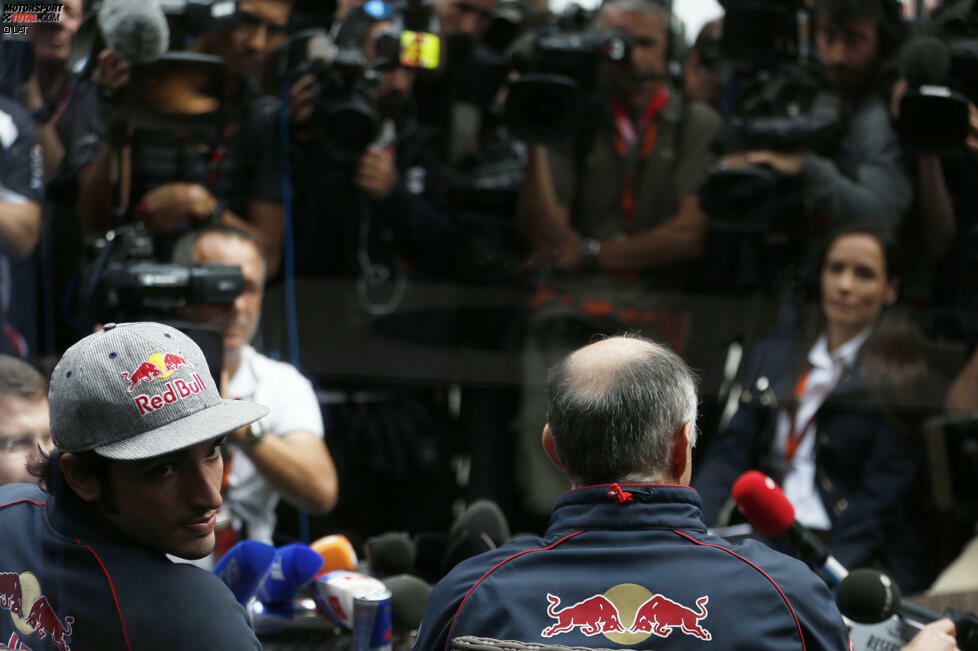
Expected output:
(170, 503)
(395, 85)
(53, 41)
(850, 51)
(23, 426)
(260, 30)
(464, 20)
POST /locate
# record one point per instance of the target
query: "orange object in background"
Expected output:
(337, 553)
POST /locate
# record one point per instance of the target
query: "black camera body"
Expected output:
(346, 116)
(561, 84)
(781, 103)
(942, 72)
(124, 284)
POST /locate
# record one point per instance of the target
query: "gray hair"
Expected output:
(619, 425)
(21, 380)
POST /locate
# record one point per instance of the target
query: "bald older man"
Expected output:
(627, 559)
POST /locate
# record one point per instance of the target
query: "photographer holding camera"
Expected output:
(618, 219)
(227, 174)
(372, 214)
(282, 454)
(349, 191)
(864, 178)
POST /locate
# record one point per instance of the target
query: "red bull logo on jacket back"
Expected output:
(654, 614)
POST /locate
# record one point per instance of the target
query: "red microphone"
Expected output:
(763, 503)
(768, 510)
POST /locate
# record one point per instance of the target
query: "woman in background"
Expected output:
(833, 415)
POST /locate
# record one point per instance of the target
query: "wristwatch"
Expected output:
(590, 248)
(256, 432)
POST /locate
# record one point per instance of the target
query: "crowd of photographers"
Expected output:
(589, 166)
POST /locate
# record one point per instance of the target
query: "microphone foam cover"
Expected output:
(867, 596)
(136, 30)
(244, 567)
(294, 567)
(390, 553)
(483, 517)
(763, 503)
(337, 553)
(409, 596)
(925, 60)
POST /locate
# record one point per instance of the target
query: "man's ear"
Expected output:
(680, 454)
(550, 447)
(86, 485)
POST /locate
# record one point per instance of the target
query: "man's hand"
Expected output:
(242, 433)
(302, 95)
(562, 253)
(170, 206)
(936, 636)
(785, 163)
(111, 71)
(376, 173)
(30, 95)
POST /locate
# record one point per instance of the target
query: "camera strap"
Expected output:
(627, 139)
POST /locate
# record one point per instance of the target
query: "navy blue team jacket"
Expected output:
(633, 567)
(69, 581)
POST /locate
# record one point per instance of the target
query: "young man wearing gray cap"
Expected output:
(135, 474)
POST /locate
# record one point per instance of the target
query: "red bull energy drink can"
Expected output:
(372, 621)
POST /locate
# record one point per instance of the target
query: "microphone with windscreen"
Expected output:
(244, 567)
(409, 596)
(293, 568)
(933, 116)
(768, 510)
(337, 553)
(390, 553)
(135, 30)
(480, 528)
(868, 596)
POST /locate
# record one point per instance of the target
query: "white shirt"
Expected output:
(799, 481)
(292, 407)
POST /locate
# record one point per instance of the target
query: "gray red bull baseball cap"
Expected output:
(139, 390)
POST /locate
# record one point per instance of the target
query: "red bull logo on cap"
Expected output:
(157, 365)
(160, 366)
(606, 614)
(31, 611)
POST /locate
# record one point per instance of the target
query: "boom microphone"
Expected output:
(244, 566)
(293, 568)
(136, 30)
(765, 506)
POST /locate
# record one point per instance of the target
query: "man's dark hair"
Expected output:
(620, 427)
(183, 251)
(884, 13)
(21, 380)
(46, 467)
